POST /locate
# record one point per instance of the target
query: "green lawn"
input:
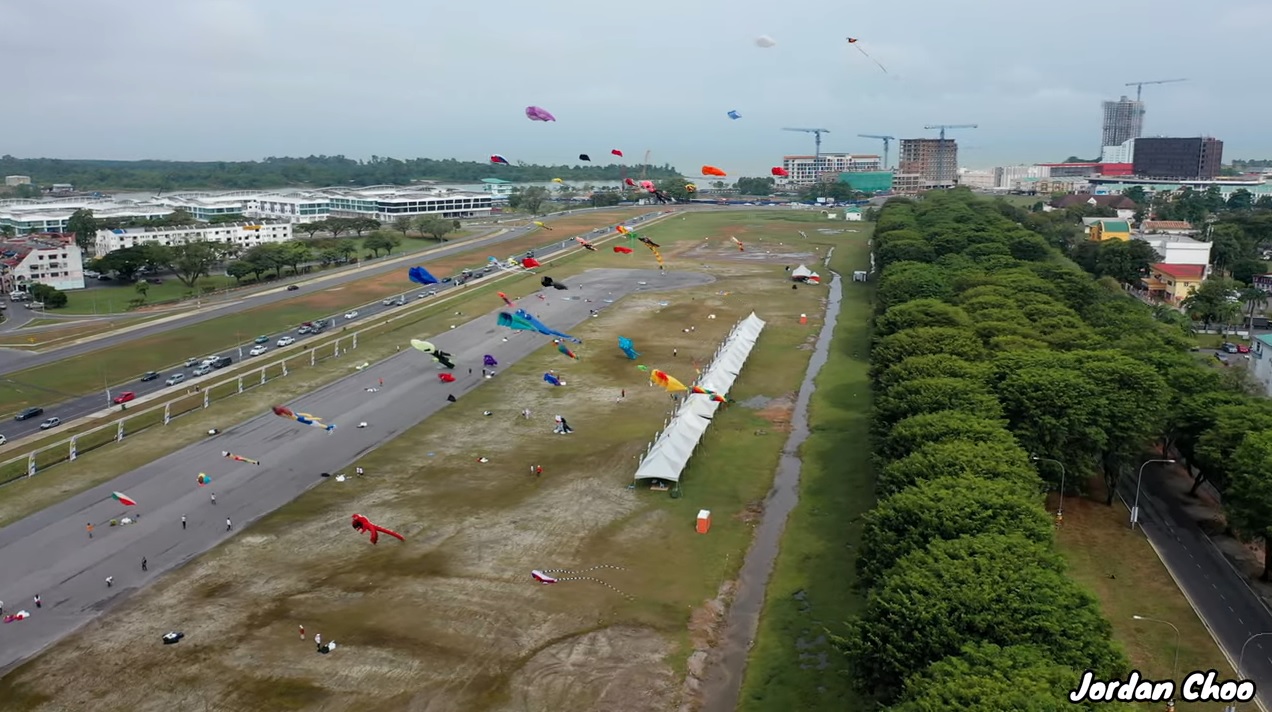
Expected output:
(113, 297)
(811, 592)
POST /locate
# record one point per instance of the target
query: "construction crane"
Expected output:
(941, 145)
(887, 141)
(1139, 86)
(817, 164)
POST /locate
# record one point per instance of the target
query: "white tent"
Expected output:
(804, 274)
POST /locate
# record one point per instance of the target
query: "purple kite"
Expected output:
(536, 113)
(489, 361)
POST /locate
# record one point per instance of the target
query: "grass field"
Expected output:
(451, 619)
(792, 664)
(70, 331)
(84, 374)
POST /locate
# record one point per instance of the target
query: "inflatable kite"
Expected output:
(202, 479)
(647, 185)
(124, 499)
(585, 244)
(364, 525)
(489, 361)
(239, 458)
(853, 41)
(536, 575)
(558, 180)
(625, 344)
(23, 615)
(765, 41)
(616, 152)
(551, 576)
(496, 158)
(506, 300)
(419, 275)
(549, 282)
(713, 171)
(622, 230)
(646, 240)
(536, 113)
(630, 182)
(438, 355)
(530, 263)
(283, 411)
(779, 171)
(734, 115)
(741, 247)
(653, 247)
(539, 224)
(565, 351)
(522, 320)
(585, 157)
(668, 382)
(551, 378)
(622, 250)
(719, 398)
(446, 378)
(691, 188)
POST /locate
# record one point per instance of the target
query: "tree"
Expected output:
(1055, 411)
(266, 257)
(943, 509)
(194, 260)
(156, 256)
(84, 227)
(928, 395)
(403, 225)
(294, 254)
(51, 297)
(124, 263)
(142, 287)
(435, 227)
(911, 433)
(531, 199)
(336, 226)
(1241, 200)
(954, 458)
(677, 188)
(381, 240)
(1136, 195)
(890, 251)
(182, 218)
(1246, 269)
(361, 225)
(933, 366)
(238, 269)
(755, 186)
(605, 199)
(1213, 303)
(1225, 430)
(919, 313)
(923, 340)
(987, 588)
(311, 228)
(1248, 498)
(904, 281)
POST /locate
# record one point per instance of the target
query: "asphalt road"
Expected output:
(78, 407)
(1218, 593)
(49, 553)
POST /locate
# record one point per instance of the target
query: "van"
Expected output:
(222, 362)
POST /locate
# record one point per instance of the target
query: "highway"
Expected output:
(50, 554)
(78, 407)
(1220, 595)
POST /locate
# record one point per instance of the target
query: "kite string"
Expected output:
(606, 584)
(872, 59)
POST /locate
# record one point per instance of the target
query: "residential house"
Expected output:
(1261, 361)
(1124, 206)
(1264, 282)
(1179, 249)
(1101, 229)
(1167, 227)
(1173, 283)
(50, 258)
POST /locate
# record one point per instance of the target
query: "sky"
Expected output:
(247, 79)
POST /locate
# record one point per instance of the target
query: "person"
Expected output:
(483, 373)
(623, 393)
(38, 603)
(1, 608)
(538, 470)
(451, 398)
(214, 498)
(143, 564)
(183, 521)
(318, 639)
(302, 632)
(675, 352)
(90, 530)
(358, 471)
(228, 525)
(470, 372)
(382, 383)
(109, 581)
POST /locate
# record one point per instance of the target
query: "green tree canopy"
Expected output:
(920, 312)
(928, 395)
(435, 227)
(953, 458)
(84, 227)
(381, 241)
(911, 433)
(925, 340)
(933, 366)
(905, 281)
(1248, 498)
(194, 260)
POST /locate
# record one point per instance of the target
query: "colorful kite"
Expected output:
(719, 398)
(489, 361)
(541, 577)
(557, 180)
(734, 115)
(585, 157)
(621, 229)
(765, 41)
(779, 171)
(691, 188)
(539, 224)
(438, 355)
(552, 379)
(647, 185)
(630, 182)
(713, 171)
(446, 378)
(653, 247)
(124, 499)
(419, 275)
(283, 411)
(537, 113)
(625, 344)
(506, 300)
(662, 379)
(530, 263)
(239, 458)
(622, 250)
(565, 351)
(741, 247)
(549, 282)
(616, 152)
(646, 240)
(364, 525)
(546, 577)
(853, 41)
(202, 479)
(585, 244)
(496, 158)
(522, 320)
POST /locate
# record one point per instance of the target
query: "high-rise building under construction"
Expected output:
(1123, 121)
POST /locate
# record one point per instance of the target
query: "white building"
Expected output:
(977, 179)
(1010, 177)
(51, 216)
(242, 235)
(294, 208)
(1124, 153)
(387, 203)
(1178, 249)
(51, 259)
(805, 170)
(17, 180)
(205, 206)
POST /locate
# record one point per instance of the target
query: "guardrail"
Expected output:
(219, 386)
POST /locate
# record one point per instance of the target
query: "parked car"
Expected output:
(29, 413)
(201, 371)
(124, 397)
(293, 287)
(50, 423)
(1243, 349)
(351, 314)
(149, 376)
(262, 339)
(258, 350)
(1228, 347)
(286, 341)
(174, 379)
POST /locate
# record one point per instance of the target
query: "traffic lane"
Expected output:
(49, 553)
(1222, 598)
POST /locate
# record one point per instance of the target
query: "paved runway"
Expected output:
(49, 553)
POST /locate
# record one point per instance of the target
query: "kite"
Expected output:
(713, 171)
(546, 577)
(419, 275)
(202, 479)
(23, 615)
(536, 113)
(557, 180)
(565, 351)
(283, 411)
(364, 525)
(646, 240)
(630, 182)
(734, 115)
(438, 355)
(239, 458)
(585, 244)
(643, 367)
(621, 229)
(506, 300)
(549, 282)
(853, 41)
(616, 152)
(529, 263)
(562, 427)
(522, 320)
(741, 247)
(511, 265)
(496, 158)
(671, 384)
(622, 250)
(653, 247)
(691, 188)
(765, 41)
(489, 361)
(539, 224)
(625, 344)
(779, 171)
(647, 185)
(124, 499)
(551, 378)
(446, 377)
(719, 398)
(662, 197)
(585, 157)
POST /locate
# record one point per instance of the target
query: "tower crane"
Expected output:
(817, 164)
(1139, 86)
(887, 141)
(943, 127)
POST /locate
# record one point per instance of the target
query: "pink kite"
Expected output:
(585, 244)
(647, 185)
(446, 378)
(542, 577)
(530, 263)
(617, 152)
(536, 113)
(622, 250)
(630, 182)
(23, 615)
(496, 158)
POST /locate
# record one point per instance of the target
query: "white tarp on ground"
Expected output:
(672, 449)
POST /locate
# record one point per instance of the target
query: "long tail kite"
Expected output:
(853, 41)
(365, 526)
(239, 458)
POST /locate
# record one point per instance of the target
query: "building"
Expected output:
(868, 181)
(934, 160)
(806, 170)
(17, 180)
(52, 258)
(1009, 177)
(1122, 153)
(1101, 229)
(387, 203)
(1168, 227)
(1261, 361)
(1264, 282)
(1173, 283)
(976, 179)
(1124, 206)
(498, 188)
(1178, 158)
(1180, 250)
(243, 235)
(206, 206)
(1123, 121)
(294, 208)
(51, 216)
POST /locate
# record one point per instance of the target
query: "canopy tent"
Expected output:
(804, 274)
(670, 452)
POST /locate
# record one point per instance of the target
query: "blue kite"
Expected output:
(419, 275)
(734, 115)
(550, 378)
(625, 344)
(522, 320)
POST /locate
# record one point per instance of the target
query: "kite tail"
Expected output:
(593, 579)
(390, 532)
(657, 255)
(872, 59)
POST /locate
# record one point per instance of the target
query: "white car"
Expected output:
(3, 440)
(286, 341)
(258, 350)
(202, 371)
(351, 315)
(387, 302)
(175, 379)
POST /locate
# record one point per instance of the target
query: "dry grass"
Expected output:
(59, 336)
(451, 619)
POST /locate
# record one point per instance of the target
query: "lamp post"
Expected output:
(1060, 509)
(1241, 657)
(1175, 665)
(1138, 479)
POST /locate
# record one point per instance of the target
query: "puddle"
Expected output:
(723, 684)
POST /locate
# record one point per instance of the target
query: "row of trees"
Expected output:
(189, 262)
(313, 171)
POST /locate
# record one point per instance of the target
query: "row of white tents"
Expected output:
(670, 452)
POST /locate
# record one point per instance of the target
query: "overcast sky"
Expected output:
(245, 79)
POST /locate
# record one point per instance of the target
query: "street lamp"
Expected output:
(1060, 509)
(1174, 666)
(1241, 657)
(1138, 479)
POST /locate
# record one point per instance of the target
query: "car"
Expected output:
(150, 376)
(1243, 349)
(293, 287)
(258, 350)
(222, 361)
(124, 397)
(3, 440)
(387, 302)
(50, 423)
(1229, 348)
(262, 339)
(174, 379)
(351, 314)
(429, 293)
(286, 341)
(305, 329)
(192, 361)
(29, 413)
(201, 371)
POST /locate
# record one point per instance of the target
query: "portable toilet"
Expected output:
(704, 521)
